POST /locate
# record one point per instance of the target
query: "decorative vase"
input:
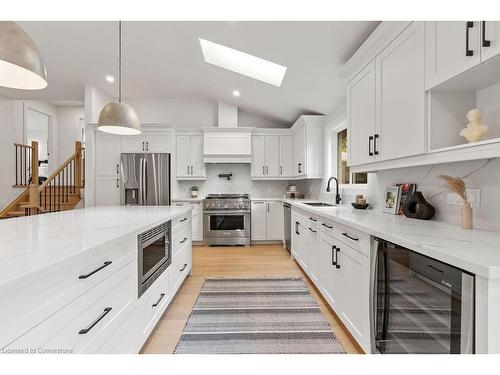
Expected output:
(467, 216)
(418, 208)
(194, 193)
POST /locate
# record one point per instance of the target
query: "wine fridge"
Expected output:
(419, 304)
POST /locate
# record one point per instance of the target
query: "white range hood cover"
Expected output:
(227, 145)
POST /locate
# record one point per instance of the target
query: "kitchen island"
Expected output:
(69, 280)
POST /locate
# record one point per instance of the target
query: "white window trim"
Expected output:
(331, 161)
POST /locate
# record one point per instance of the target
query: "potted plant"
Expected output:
(194, 191)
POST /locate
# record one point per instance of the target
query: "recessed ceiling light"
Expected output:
(242, 63)
(236, 93)
(110, 78)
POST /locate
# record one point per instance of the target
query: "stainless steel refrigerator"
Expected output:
(145, 179)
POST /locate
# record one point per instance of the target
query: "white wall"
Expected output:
(69, 119)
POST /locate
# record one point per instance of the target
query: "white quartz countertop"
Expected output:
(198, 199)
(476, 251)
(31, 243)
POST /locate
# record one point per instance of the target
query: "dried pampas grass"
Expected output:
(456, 185)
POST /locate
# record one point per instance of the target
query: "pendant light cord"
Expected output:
(119, 61)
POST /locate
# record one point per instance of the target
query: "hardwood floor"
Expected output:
(254, 261)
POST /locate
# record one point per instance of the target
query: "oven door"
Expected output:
(152, 254)
(227, 224)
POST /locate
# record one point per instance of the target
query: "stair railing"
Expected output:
(26, 164)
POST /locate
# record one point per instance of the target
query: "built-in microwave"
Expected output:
(154, 254)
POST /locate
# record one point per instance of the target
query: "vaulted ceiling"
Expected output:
(164, 60)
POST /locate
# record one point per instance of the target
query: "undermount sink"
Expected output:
(319, 204)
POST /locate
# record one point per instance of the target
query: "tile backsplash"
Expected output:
(482, 174)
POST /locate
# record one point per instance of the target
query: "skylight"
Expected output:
(242, 63)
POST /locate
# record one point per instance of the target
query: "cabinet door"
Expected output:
(491, 34)
(401, 96)
(275, 218)
(272, 156)
(197, 221)
(354, 281)
(299, 152)
(258, 225)
(133, 143)
(305, 237)
(314, 256)
(183, 156)
(258, 156)
(107, 191)
(446, 49)
(286, 156)
(361, 115)
(196, 150)
(107, 154)
(329, 277)
(295, 242)
(159, 141)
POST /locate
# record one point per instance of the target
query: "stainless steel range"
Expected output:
(226, 219)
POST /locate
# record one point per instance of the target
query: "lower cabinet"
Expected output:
(196, 218)
(267, 221)
(329, 279)
(107, 190)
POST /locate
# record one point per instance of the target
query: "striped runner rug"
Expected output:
(256, 316)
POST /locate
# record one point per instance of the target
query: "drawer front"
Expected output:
(181, 267)
(180, 239)
(84, 325)
(357, 240)
(312, 221)
(181, 221)
(124, 339)
(26, 305)
(328, 226)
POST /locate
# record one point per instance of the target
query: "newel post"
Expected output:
(33, 192)
(78, 164)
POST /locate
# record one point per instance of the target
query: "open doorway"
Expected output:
(37, 128)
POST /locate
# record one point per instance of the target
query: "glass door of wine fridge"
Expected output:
(420, 305)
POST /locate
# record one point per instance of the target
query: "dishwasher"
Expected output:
(288, 226)
(419, 304)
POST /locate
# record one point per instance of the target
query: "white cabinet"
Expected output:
(272, 156)
(386, 102)
(308, 140)
(189, 157)
(107, 154)
(107, 190)
(258, 226)
(490, 39)
(147, 141)
(361, 115)
(267, 221)
(401, 95)
(329, 278)
(314, 254)
(196, 218)
(299, 152)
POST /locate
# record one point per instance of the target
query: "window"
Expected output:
(344, 174)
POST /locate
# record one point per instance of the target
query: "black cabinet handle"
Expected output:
(337, 263)
(486, 43)
(183, 220)
(333, 255)
(96, 270)
(312, 230)
(375, 151)
(143, 146)
(184, 267)
(147, 146)
(468, 25)
(159, 299)
(184, 240)
(117, 183)
(92, 325)
(350, 237)
(299, 166)
(117, 168)
(297, 227)
(370, 140)
(313, 219)
(435, 269)
(327, 226)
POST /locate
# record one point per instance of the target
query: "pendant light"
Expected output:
(21, 66)
(118, 117)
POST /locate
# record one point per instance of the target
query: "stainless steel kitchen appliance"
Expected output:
(226, 219)
(288, 226)
(154, 254)
(145, 179)
(419, 304)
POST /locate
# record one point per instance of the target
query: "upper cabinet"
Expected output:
(272, 156)
(386, 102)
(455, 47)
(308, 145)
(189, 158)
(147, 141)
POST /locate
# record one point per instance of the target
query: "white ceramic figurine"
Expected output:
(475, 130)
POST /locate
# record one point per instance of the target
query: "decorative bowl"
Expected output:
(360, 206)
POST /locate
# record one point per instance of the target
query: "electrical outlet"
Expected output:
(473, 194)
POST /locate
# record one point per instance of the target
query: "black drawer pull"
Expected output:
(468, 25)
(297, 227)
(184, 240)
(486, 43)
(92, 325)
(183, 267)
(337, 251)
(327, 226)
(183, 220)
(313, 219)
(375, 151)
(96, 270)
(333, 255)
(312, 230)
(158, 302)
(370, 140)
(352, 238)
(434, 268)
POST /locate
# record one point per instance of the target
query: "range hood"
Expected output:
(227, 143)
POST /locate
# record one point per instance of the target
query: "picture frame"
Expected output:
(392, 196)
(406, 192)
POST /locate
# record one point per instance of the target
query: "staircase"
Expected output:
(59, 192)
